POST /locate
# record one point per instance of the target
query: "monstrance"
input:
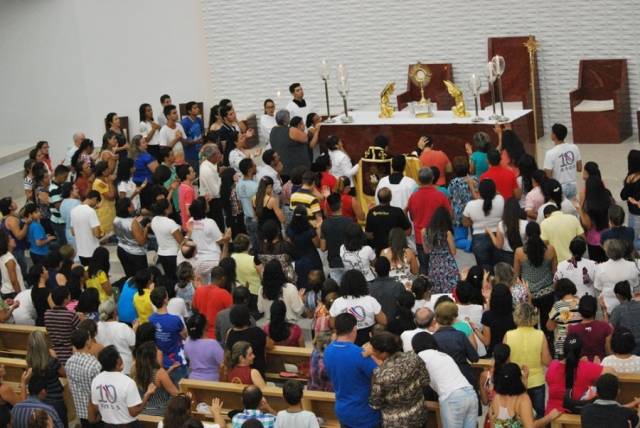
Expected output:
(420, 75)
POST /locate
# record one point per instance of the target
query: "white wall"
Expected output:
(67, 63)
(274, 43)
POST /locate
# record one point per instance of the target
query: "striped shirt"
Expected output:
(564, 313)
(307, 198)
(22, 411)
(60, 323)
(55, 197)
(81, 368)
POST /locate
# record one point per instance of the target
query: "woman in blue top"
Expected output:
(126, 311)
(478, 155)
(145, 164)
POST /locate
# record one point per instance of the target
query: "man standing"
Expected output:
(298, 106)
(210, 182)
(115, 395)
(271, 167)
(267, 121)
(350, 373)
(194, 130)
(60, 175)
(170, 332)
(81, 369)
(421, 206)
(384, 289)
(165, 100)
(559, 229)
(246, 189)
(77, 139)
(305, 196)
(85, 227)
(332, 232)
(60, 322)
(627, 313)
(503, 177)
(382, 218)
(211, 299)
(22, 412)
(563, 161)
(401, 187)
(172, 132)
(432, 157)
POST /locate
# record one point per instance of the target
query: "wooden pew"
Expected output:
(148, 421)
(629, 387)
(14, 338)
(566, 421)
(279, 355)
(320, 403)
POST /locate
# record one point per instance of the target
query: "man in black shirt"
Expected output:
(332, 235)
(606, 411)
(617, 230)
(382, 218)
(384, 289)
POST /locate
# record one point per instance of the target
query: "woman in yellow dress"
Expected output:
(104, 184)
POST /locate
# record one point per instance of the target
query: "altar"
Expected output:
(447, 132)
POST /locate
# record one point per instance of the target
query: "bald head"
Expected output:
(384, 196)
(78, 137)
(424, 317)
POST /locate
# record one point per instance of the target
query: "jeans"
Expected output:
(460, 409)
(336, 274)
(537, 400)
(634, 223)
(569, 190)
(251, 224)
(131, 263)
(484, 251)
(461, 236)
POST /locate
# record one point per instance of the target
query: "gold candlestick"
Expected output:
(532, 48)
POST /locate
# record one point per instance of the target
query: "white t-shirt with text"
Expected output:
(113, 393)
(562, 160)
(359, 260)
(363, 308)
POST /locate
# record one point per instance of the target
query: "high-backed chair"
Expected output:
(516, 80)
(600, 111)
(435, 90)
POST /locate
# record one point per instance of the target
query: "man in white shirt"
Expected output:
(340, 161)
(210, 182)
(115, 395)
(165, 100)
(77, 139)
(267, 121)
(563, 161)
(401, 187)
(298, 106)
(270, 168)
(425, 322)
(172, 132)
(85, 227)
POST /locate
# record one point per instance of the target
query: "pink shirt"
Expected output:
(534, 199)
(586, 376)
(186, 195)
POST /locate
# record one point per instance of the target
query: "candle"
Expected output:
(325, 70)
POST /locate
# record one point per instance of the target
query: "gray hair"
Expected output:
(424, 317)
(614, 249)
(210, 150)
(106, 309)
(78, 136)
(283, 117)
(504, 274)
(481, 141)
(425, 176)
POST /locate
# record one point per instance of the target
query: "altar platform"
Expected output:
(447, 132)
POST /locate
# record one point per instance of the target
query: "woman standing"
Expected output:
(125, 185)
(279, 330)
(306, 241)
(536, 263)
(150, 129)
(462, 189)
(439, 244)
(103, 183)
(205, 355)
(211, 243)
(12, 280)
(622, 360)
(273, 247)
(40, 294)
(168, 235)
(614, 270)
(404, 263)
(291, 142)
(266, 204)
(535, 198)
(498, 319)
(397, 383)
(581, 271)
(142, 299)
(112, 124)
(144, 163)
(631, 193)
(148, 370)
(107, 151)
(98, 274)
(594, 215)
(510, 233)
(355, 254)
(116, 333)
(552, 191)
(484, 214)
(563, 313)
(529, 348)
(350, 207)
(275, 287)
(131, 236)
(355, 298)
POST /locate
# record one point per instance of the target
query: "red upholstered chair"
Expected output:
(516, 80)
(435, 90)
(600, 111)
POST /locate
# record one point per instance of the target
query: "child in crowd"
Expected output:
(321, 314)
(36, 235)
(184, 286)
(293, 416)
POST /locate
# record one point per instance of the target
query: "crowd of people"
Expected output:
(226, 247)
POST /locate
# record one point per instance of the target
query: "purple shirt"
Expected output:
(205, 357)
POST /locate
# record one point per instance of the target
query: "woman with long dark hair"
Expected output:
(462, 189)
(594, 215)
(553, 195)
(403, 260)
(266, 204)
(510, 147)
(149, 128)
(131, 236)
(355, 254)
(103, 183)
(142, 299)
(98, 274)
(145, 164)
(280, 331)
(306, 241)
(84, 154)
(535, 198)
(169, 237)
(510, 232)
(527, 166)
(440, 245)
(631, 193)
(125, 186)
(403, 319)
(484, 214)
(497, 320)
(147, 370)
(275, 287)
(536, 263)
(272, 246)
(112, 124)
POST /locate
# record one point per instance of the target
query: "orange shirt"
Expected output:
(436, 158)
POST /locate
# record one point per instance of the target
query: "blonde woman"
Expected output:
(43, 362)
(529, 348)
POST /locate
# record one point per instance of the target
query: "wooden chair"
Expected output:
(567, 421)
(600, 110)
(13, 338)
(435, 90)
(321, 403)
(516, 80)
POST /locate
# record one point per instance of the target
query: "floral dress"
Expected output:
(443, 269)
(460, 194)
